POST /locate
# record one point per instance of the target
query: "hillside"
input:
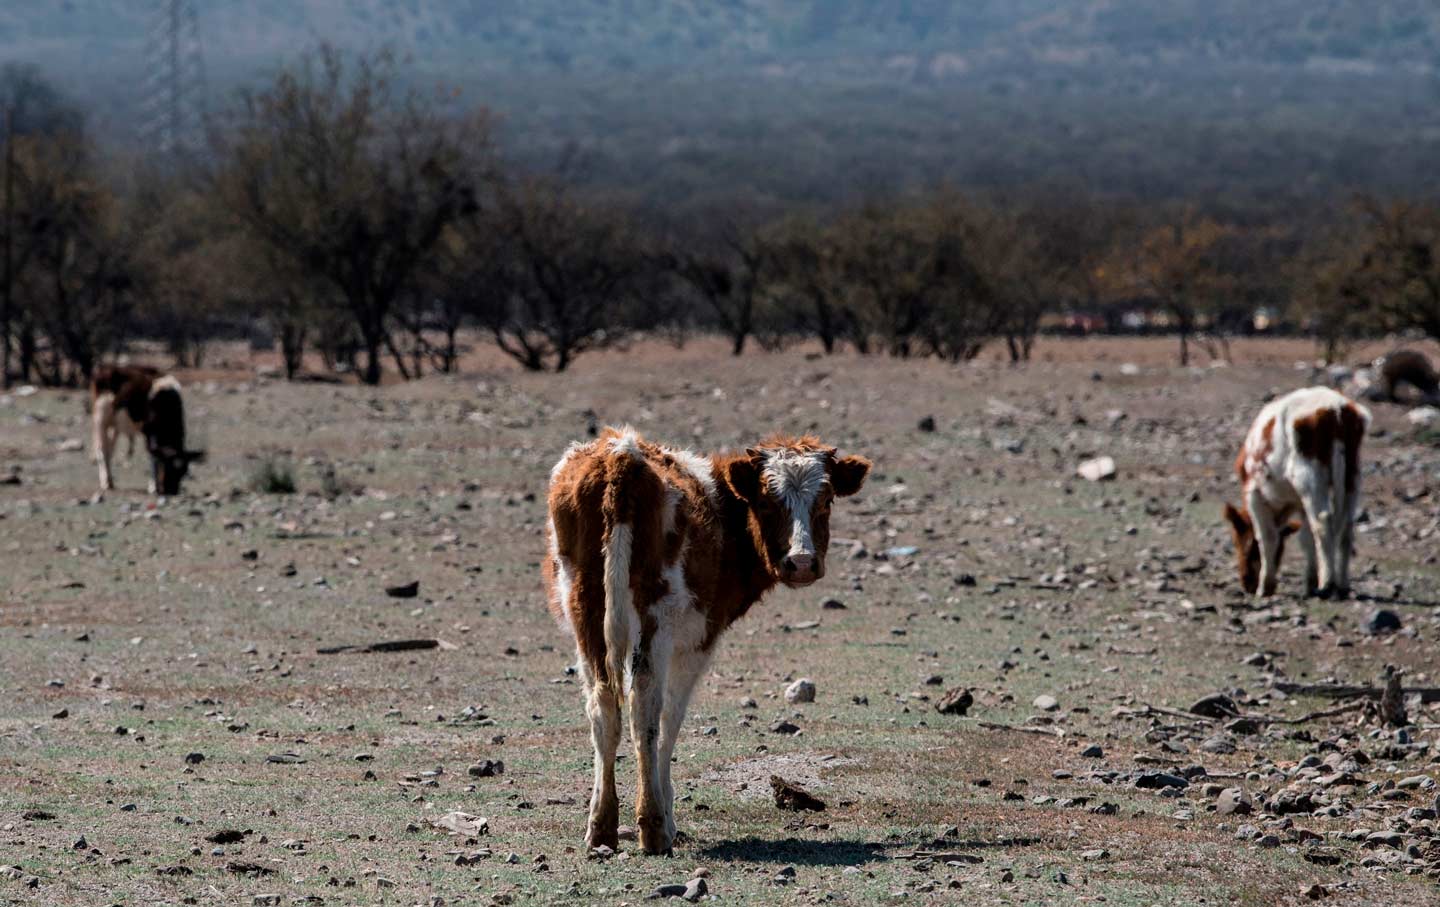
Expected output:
(807, 100)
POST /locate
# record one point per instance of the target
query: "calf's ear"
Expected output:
(847, 475)
(742, 475)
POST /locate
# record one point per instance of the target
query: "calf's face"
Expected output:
(1247, 546)
(171, 466)
(789, 489)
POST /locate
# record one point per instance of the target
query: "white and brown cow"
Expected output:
(136, 400)
(653, 553)
(1301, 457)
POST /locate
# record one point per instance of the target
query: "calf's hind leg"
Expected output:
(602, 706)
(647, 701)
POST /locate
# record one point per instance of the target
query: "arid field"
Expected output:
(171, 733)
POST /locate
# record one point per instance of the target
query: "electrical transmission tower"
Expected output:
(173, 123)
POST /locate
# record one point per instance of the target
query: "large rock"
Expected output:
(802, 690)
(793, 797)
(955, 702)
(1100, 469)
(1382, 621)
(1234, 801)
(1216, 705)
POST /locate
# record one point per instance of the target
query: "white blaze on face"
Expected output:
(796, 480)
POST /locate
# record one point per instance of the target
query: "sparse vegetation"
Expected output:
(273, 473)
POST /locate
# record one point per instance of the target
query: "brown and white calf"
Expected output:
(136, 400)
(1301, 457)
(653, 553)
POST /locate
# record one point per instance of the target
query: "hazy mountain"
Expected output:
(813, 98)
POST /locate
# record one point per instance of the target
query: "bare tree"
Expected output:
(729, 277)
(807, 280)
(354, 180)
(1180, 265)
(562, 278)
(1399, 267)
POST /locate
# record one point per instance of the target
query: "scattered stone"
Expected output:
(785, 727)
(406, 590)
(926, 424)
(791, 797)
(832, 604)
(1382, 621)
(1216, 705)
(1422, 415)
(666, 891)
(1098, 853)
(1291, 800)
(486, 768)
(226, 836)
(1314, 892)
(1099, 469)
(1160, 780)
(695, 889)
(955, 702)
(1218, 744)
(1246, 726)
(194, 758)
(1046, 703)
(802, 690)
(462, 823)
(1093, 751)
(1234, 801)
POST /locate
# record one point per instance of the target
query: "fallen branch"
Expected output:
(941, 856)
(1350, 691)
(1173, 713)
(396, 645)
(1311, 716)
(997, 726)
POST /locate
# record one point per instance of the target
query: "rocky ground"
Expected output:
(1028, 687)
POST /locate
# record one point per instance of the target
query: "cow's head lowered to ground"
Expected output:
(788, 484)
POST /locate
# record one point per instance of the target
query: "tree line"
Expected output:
(373, 225)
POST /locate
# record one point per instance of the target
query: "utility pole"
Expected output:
(175, 85)
(9, 243)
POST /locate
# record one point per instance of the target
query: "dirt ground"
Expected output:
(170, 734)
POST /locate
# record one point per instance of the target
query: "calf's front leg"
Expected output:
(685, 669)
(1267, 535)
(103, 439)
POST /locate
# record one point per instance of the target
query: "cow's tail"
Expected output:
(623, 470)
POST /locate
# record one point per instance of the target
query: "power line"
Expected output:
(173, 111)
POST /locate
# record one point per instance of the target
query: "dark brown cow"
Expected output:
(139, 400)
(653, 553)
(1405, 367)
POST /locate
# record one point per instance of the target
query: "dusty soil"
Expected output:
(160, 682)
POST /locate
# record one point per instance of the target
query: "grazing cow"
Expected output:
(1405, 367)
(1302, 455)
(653, 553)
(139, 400)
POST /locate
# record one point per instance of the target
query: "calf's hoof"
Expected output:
(655, 838)
(602, 837)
